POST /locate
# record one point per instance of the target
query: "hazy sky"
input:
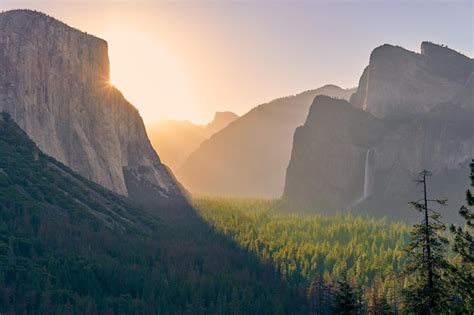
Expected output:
(187, 59)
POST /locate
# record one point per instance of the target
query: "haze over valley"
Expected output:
(250, 172)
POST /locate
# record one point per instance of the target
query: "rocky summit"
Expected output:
(415, 112)
(398, 81)
(54, 82)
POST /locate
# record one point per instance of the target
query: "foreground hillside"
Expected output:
(307, 248)
(69, 246)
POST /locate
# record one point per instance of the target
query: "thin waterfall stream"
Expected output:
(367, 186)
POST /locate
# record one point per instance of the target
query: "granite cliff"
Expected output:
(398, 81)
(54, 82)
(365, 157)
(329, 151)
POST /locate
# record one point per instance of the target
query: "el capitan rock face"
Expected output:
(347, 158)
(54, 83)
(249, 156)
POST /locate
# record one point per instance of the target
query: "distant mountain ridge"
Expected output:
(365, 157)
(249, 157)
(54, 82)
(220, 120)
(175, 140)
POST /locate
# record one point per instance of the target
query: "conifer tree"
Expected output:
(347, 299)
(463, 239)
(463, 279)
(378, 304)
(319, 295)
(427, 265)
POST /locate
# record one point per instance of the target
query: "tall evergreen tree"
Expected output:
(463, 239)
(347, 299)
(320, 296)
(464, 247)
(377, 304)
(427, 265)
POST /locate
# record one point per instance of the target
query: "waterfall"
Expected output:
(366, 176)
(367, 184)
(364, 104)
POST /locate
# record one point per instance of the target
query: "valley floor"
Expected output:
(307, 248)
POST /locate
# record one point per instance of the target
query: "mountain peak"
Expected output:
(28, 17)
(387, 51)
(221, 120)
(431, 49)
(225, 115)
(398, 81)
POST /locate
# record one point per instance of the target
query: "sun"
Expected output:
(149, 75)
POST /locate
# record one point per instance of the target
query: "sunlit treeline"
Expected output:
(335, 259)
(311, 246)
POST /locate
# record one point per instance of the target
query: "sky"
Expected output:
(185, 60)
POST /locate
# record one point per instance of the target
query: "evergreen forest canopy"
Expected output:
(347, 264)
(315, 251)
(69, 246)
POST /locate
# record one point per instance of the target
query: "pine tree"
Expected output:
(346, 297)
(463, 239)
(319, 295)
(427, 265)
(463, 278)
(378, 304)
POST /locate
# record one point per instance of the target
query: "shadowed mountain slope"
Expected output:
(68, 245)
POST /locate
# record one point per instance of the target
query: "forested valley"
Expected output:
(70, 246)
(303, 197)
(356, 265)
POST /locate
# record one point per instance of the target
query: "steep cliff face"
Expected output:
(345, 159)
(54, 82)
(249, 157)
(398, 82)
(348, 158)
(329, 154)
(441, 141)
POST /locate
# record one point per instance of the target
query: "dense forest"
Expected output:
(347, 264)
(312, 245)
(309, 249)
(69, 246)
